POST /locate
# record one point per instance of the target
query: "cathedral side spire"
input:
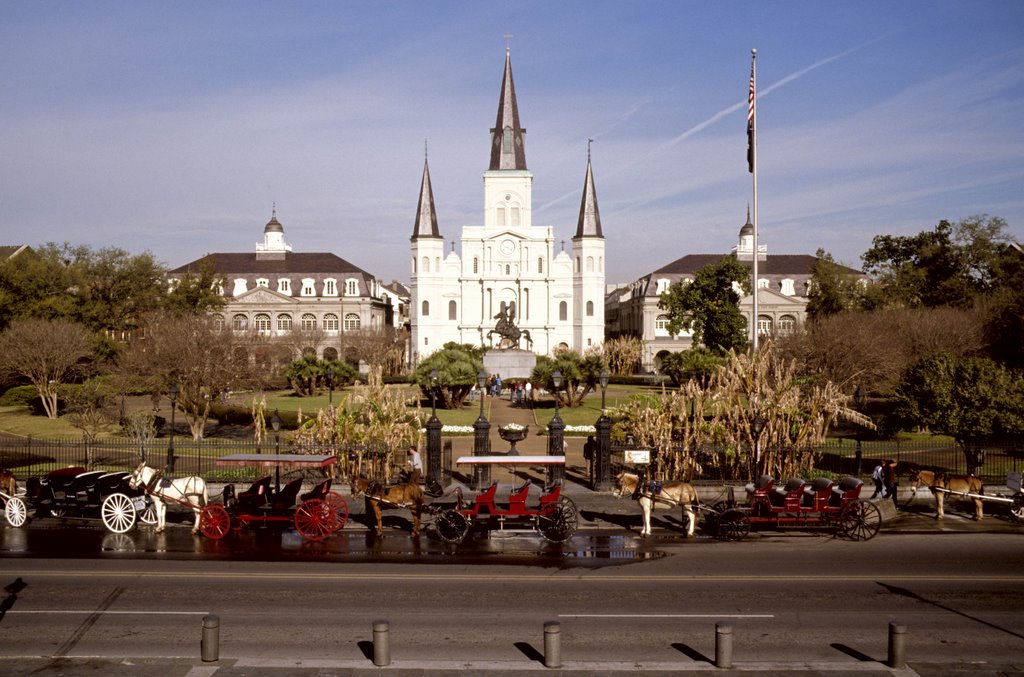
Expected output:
(507, 143)
(589, 223)
(426, 214)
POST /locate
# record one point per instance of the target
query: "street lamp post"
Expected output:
(756, 428)
(433, 433)
(173, 393)
(481, 437)
(275, 423)
(860, 399)
(556, 434)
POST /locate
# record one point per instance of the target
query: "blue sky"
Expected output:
(173, 127)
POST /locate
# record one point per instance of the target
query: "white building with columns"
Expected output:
(557, 296)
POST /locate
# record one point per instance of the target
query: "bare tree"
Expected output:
(190, 352)
(47, 353)
(380, 349)
(623, 354)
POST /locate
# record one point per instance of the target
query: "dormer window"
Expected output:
(263, 282)
(308, 286)
(663, 285)
(284, 286)
(351, 287)
(241, 286)
(330, 287)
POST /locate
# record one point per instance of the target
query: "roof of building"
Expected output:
(426, 214)
(10, 251)
(589, 222)
(502, 156)
(288, 263)
(773, 264)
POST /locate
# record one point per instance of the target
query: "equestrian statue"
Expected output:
(511, 335)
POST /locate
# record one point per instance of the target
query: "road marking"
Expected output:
(666, 615)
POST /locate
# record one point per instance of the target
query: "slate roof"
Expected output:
(290, 263)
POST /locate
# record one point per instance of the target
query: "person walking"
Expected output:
(589, 451)
(415, 464)
(878, 477)
(891, 483)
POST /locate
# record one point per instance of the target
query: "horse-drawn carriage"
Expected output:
(78, 493)
(970, 487)
(821, 503)
(315, 514)
(554, 515)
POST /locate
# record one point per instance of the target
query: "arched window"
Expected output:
(452, 310)
(506, 140)
(764, 325)
(284, 322)
(540, 265)
(262, 322)
(351, 322)
(661, 325)
(414, 265)
(425, 308)
(426, 264)
(590, 264)
(330, 354)
(308, 321)
(578, 269)
(330, 322)
(218, 322)
(239, 322)
(476, 265)
(787, 323)
(508, 269)
(563, 311)
(590, 308)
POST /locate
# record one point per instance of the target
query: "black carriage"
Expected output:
(554, 515)
(822, 503)
(315, 514)
(77, 493)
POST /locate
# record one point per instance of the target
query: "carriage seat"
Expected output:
(257, 495)
(84, 483)
(485, 499)
(846, 491)
(284, 499)
(517, 499)
(552, 495)
(111, 483)
(319, 492)
(790, 494)
(816, 493)
(761, 486)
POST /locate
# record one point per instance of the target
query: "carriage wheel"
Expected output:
(859, 521)
(214, 521)
(337, 502)
(733, 525)
(148, 514)
(558, 523)
(315, 519)
(15, 512)
(451, 525)
(118, 513)
(1017, 507)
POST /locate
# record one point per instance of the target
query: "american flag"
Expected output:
(750, 122)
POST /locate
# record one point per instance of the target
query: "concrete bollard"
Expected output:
(210, 645)
(897, 645)
(552, 644)
(381, 643)
(723, 645)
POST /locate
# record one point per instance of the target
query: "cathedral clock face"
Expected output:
(507, 247)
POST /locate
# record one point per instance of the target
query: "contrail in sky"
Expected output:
(718, 116)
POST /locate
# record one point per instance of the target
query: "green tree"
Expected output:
(198, 292)
(709, 305)
(1004, 326)
(971, 399)
(47, 353)
(948, 266)
(696, 364)
(833, 289)
(457, 366)
(580, 375)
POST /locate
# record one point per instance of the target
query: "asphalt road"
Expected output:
(795, 602)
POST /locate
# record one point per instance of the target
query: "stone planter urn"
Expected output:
(513, 434)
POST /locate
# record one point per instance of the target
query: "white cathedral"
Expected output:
(556, 298)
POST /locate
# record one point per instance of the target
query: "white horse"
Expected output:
(188, 491)
(670, 495)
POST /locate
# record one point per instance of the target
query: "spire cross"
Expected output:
(589, 141)
(508, 42)
(273, 209)
(424, 149)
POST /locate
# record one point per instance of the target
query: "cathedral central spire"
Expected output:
(507, 148)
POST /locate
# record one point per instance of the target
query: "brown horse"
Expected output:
(940, 484)
(408, 495)
(8, 485)
(670, 495)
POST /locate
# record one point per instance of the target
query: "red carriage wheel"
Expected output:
(337, 502)
(214, 521)
(315, 519)
(859, 521)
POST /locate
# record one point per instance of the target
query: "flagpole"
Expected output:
(752, 121)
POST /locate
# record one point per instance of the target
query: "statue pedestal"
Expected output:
(510, 363)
